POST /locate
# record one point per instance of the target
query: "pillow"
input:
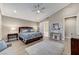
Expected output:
(31, 30)
(3, 45)
(24, 31)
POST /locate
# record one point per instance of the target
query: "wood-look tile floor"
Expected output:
(19, 46)
(67, 47)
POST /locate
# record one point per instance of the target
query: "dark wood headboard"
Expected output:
(23, 28)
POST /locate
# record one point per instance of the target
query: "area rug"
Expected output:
(46, 48)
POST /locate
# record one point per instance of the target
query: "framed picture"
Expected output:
(56, 26)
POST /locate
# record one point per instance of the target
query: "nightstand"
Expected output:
(12, 36)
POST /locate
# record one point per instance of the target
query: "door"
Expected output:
(44, 28)
(70, 27)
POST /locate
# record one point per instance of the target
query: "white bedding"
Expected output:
(46, 48)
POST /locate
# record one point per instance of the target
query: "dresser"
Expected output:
(12, 36)
(74, 46)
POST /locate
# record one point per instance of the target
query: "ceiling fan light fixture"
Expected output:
(38, 11)
(14, 11)
(38, 8)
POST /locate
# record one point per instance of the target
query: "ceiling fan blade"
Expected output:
(42, 8)
(38, 7)
(34, 10)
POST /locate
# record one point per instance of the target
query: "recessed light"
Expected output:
(13, 28)
(38, 11)
(14, 11)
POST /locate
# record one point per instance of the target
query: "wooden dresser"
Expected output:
(74, 46)
(12, 36)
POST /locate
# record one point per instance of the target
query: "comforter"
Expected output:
(29, 35)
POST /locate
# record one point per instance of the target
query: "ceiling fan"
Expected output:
(38, 8)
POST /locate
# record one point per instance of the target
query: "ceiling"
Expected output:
(24, 10)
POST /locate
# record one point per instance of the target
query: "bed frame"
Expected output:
(31, 40)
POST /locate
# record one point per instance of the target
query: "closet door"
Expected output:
(70, 27)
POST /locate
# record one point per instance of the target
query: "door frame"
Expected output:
(65, 24)
(46, 34)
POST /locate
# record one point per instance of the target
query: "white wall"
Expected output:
(69, 11)
(9, 22)
(41, 27)
(59, 17)
(77, 25)
(0, 27)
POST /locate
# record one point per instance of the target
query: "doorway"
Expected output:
(70, 27)
(44, 28)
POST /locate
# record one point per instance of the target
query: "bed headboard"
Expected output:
(24, 28)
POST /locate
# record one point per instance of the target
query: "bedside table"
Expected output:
(12, 36)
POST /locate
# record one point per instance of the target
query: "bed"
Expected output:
(28, 35)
